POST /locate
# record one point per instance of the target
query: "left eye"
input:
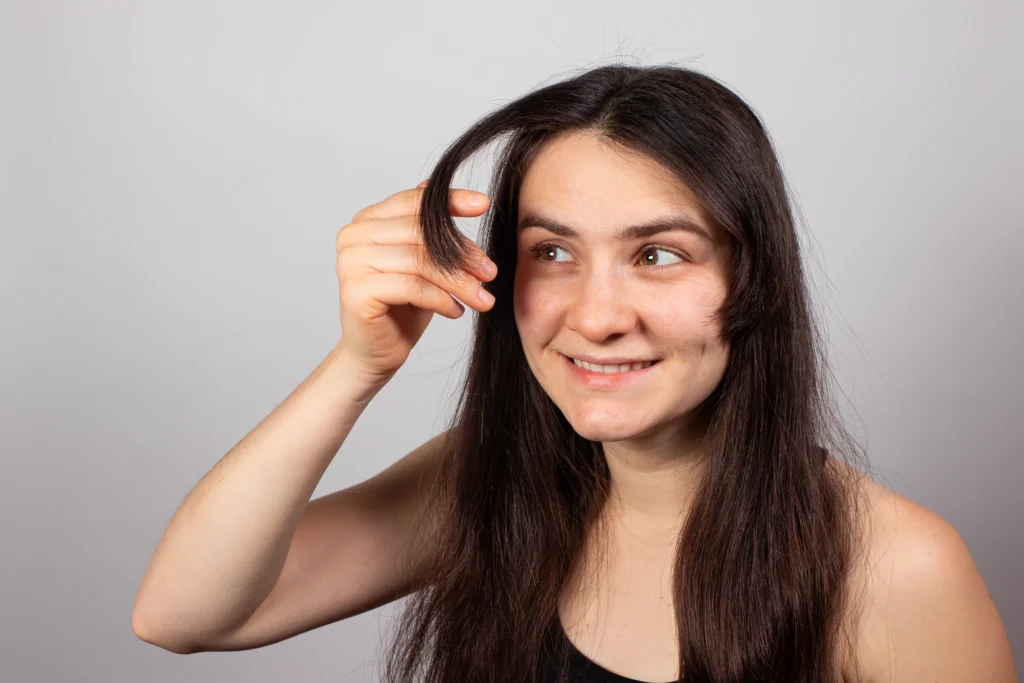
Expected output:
(650, 250)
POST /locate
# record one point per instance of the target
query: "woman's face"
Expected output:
(583, 290)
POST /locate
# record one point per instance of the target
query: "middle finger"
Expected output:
(404, 230)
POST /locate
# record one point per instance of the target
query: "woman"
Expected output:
(645, 479)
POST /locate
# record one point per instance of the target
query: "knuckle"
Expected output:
(407, 281)
(430, 292)
(421, 287)
(344, 260)
(348, 236)
(421, 260)
(413, 229)
(352, 261)
(349, 296)
(341, 239)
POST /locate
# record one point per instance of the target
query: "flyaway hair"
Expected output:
(762, 588)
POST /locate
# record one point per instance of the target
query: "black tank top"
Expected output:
(582, 669)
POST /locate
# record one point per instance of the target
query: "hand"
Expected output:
(389, 290)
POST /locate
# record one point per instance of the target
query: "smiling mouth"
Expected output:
(612, 369)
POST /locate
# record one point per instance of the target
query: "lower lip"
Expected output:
(606, 380)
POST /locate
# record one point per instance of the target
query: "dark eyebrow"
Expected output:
(633, 232)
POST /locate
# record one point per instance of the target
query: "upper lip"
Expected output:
(617, 360)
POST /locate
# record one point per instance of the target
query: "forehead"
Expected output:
(595, 185)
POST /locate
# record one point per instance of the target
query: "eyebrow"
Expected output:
(533, 218)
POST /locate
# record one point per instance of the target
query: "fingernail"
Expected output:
(486, 297)
(476, 199)
(488, 266)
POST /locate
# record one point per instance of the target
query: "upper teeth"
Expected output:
(625, 367)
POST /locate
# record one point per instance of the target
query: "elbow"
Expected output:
(145, 632)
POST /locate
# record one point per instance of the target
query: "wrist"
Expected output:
(354, 374)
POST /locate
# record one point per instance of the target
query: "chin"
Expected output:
(600, 426)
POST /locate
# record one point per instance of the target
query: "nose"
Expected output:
(601, 307)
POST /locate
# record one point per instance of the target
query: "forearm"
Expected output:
(225, 546)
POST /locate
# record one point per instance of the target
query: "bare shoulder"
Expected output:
(927, 613)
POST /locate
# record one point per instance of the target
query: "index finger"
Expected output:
(407, 203)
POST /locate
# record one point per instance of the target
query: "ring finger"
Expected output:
(412, 259)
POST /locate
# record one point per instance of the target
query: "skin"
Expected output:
(927, 616)
(605, 297)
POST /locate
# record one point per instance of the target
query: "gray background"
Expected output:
(173, 176)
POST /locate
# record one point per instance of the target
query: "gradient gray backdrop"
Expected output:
(172, 177)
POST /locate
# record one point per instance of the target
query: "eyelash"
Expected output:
(537, 250)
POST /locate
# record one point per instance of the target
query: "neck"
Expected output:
(653, 482)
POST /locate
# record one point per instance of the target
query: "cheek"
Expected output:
(686, 323)
(680, 325)
(538, 308)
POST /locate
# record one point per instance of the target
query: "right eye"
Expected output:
(542, 250)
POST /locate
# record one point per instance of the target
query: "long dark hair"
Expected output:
(761, 575)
